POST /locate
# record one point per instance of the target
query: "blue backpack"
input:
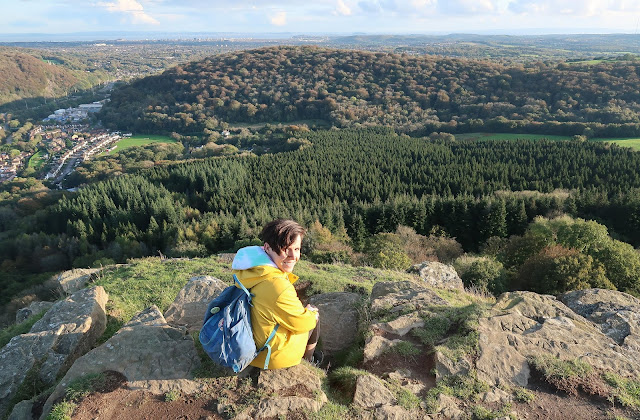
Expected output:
(226, 334)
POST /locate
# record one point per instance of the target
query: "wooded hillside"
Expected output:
(416, 94)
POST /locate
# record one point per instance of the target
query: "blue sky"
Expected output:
(321, 16)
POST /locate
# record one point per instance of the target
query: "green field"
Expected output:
(633, 143)
(140, 140)
(508, 136)
(37, 160)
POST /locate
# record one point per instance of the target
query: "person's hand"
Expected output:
(313, 309)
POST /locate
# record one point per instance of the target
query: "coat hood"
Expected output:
(251, 256)
(253, 265)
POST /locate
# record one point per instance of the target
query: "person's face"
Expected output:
(288, 257)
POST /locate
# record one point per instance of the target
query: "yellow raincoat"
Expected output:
(274, 302)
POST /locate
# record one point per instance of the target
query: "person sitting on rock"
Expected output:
(267, 271)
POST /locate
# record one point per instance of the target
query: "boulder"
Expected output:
(438, 275)
(188, 309)
(403, 297)
(34, 309)
(22, 411)
(339, 319)
(371, 393)
(524, 324)
(65, 332)
(71, 281)
(402, 325)
(294, 389)
(376, 345)
(617, 314)
(151, 354)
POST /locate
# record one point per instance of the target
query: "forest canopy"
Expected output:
(414, 94)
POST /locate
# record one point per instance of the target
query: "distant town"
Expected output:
(65, 142)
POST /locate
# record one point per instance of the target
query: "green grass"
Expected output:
(633, 143)
(140, 140)
(62, 411)
(6, 334)
(625, 391)
(555, 369)
(37, 160)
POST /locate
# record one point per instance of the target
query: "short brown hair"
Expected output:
(281, 233)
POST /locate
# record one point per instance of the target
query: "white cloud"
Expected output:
(133, 8)
(278, 19)
(343, 9)
(574, 7)
(465, 7)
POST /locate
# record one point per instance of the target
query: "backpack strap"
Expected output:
(268, 346)
(273, 333)
(243, 288)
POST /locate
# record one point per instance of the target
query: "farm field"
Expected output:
(633, 143)
(140, 140)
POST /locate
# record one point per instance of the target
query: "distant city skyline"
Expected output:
(518, 17)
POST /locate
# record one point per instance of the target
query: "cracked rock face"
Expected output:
(338, 321)
(151, 354)
(524, 324)
(63, 334)
(617, 314)
(188, 308)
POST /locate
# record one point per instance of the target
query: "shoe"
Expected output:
(317, 358)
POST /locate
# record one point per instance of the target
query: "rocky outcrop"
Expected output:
(151, 354)
(617, 314)
(338, 321)
(74, 280)
(291, 390)
(64, 333)
(188, 309)
(403, 297)
(371, 393)
(34, 309)
(524, 324)
(438, 275)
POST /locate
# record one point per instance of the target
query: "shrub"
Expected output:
(485, 274)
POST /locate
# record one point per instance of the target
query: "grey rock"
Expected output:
(22, 411)
(525, 324)
(438, 275)
(376, 346)
(371, 393)
(448, 407)
(445, 366)
(64, 333)
(151, 354)
(303, 381)
(73, 280)
(188, 308)
(496, 395)
(402, 325)
(31, 310)
(339, 318)
(617, 314)
(403, 297)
